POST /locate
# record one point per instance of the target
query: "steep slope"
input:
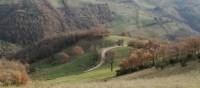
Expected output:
(50, 46)
(7, 48)
(151, 18)
(28, 21)
(189, 10)
(169, 19)
(167, 15)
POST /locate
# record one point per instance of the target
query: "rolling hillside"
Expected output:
(154, 18)
(60, 41)
(76, 69)
(171, 77)
(169, 19)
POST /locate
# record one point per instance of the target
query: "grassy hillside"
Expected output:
(138, 17)
(171, 77)
(77, 66)
(166, 19)
(75, 69)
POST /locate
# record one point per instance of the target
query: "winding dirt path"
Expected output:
(103, 57)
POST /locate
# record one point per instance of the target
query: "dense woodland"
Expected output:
(29, 21)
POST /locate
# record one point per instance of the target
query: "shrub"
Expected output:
(126, 34)
(138, 59)
(78, 50)
(124, 64)
(99, 31)
(62, 57)
(161, 54)
(12, 73)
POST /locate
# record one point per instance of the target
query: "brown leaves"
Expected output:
(124, 64)
(13, 72)
(62, 57)
(78, 50)
(137, 58)
(149, 50)
(192, 43)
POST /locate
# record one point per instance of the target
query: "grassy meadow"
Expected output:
(171, 77)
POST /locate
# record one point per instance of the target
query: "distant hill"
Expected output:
(168, 19)
(29, 21)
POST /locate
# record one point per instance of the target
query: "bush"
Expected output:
(161, 54)
(124, 64)
(12, 73)
(62, 57)
(78, 50)
(126, 34)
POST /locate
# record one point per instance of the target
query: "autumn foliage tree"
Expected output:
(12, 73)
(99, 31)
(192, 44)
(161, 54)
(78, 50)
(139, 58)
(62, 58)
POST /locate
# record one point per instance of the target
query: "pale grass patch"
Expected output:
(172, 77)
(188, 80)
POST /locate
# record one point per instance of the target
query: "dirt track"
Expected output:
(103, 57)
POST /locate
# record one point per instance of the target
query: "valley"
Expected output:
(99, 44)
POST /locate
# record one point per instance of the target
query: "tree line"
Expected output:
(155, 53)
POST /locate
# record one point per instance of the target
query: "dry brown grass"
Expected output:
(177, 81)
(171, 77)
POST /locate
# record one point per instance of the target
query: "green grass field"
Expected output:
(171, 77)
(76, 66)
(74, 71)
